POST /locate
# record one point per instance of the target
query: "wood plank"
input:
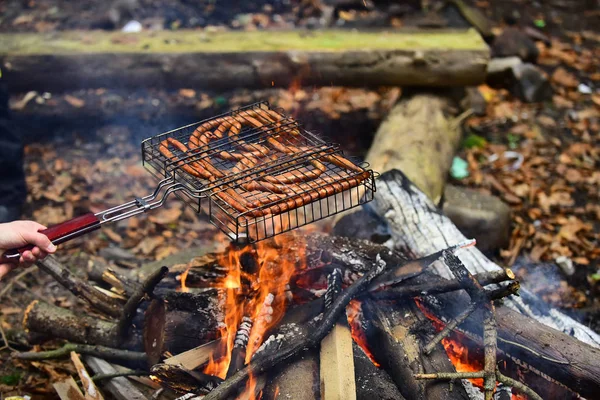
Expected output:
(195, 357)
(225, 60)
(89, 387)
(337, 365)
(121, 388)
(68, 390)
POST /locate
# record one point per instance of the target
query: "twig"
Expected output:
(262, 363)
(451, 375)
(441, 285)
(99, 377)
(490, 350)
(4, 339)
(15, 279)
(134, 301)
(79, 288)
(491, 295)
(516, 384)
(449, 326)
(99, 351)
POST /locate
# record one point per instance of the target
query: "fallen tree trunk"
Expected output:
(235, 59)
(417, 226)
(420, 138)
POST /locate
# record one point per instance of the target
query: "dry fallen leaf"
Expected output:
(74, 101)
(564, 78)
(166, 216)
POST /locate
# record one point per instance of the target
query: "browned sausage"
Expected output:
(191, 168)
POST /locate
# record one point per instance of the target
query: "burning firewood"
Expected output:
(415, 224)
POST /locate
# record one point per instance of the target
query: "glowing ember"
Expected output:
(355, 315)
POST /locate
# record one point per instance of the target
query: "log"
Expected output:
(182, 330)
(61, 323)
(415, 224)
(372, 382)
(420, 138)
(223, 60)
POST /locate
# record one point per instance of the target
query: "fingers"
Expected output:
(5, 269)
(39, 239)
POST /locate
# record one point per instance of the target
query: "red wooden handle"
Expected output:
(64, 231)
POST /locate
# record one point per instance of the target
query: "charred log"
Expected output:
(398, 349)
(417, 226)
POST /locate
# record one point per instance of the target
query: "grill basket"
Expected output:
(257, 146)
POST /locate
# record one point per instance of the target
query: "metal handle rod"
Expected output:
(140, 204)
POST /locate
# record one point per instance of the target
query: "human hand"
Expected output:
(21, 233)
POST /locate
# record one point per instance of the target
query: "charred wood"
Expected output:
(398, 349)
(372, 382)
(417, 226)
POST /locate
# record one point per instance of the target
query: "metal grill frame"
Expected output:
(205, 196)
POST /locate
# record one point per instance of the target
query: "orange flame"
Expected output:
(259, 295)
(354, 315)
(183, 278)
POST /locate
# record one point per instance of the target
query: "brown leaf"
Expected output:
(569, 231)
(149, 244)
(166, 251)
(564, 78)
(112, 235)
(187, 93)
(166, 216)
(74, 101)
(546, 121)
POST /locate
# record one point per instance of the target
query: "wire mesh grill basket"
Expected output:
(255, 172)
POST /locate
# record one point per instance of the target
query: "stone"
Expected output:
(479, 216)
(476, 102)
(531, 84)
(513, 42)
(500, 70)
(362, 225)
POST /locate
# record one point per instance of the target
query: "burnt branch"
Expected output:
(134, 301)
(107, 353)
(79, 288)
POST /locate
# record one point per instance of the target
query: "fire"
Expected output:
(355, 315)
(183, 278)
(459, 355)
(254, 297)
(457, 347)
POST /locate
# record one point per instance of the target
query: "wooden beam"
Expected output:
(337, 364)
(198, 59)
